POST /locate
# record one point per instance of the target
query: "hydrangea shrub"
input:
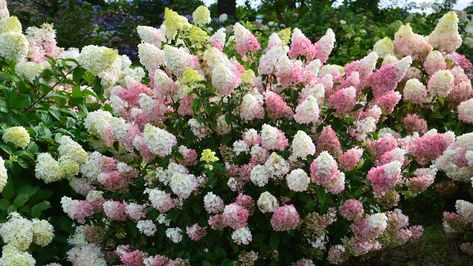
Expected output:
(222, 150)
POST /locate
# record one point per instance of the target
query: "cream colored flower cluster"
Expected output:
(18, 136)
(3, 175)
(18, 234)
(13, 44)
(71, 157)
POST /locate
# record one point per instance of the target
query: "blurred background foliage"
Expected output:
(358, 24)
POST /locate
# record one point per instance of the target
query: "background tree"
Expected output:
(226, 7)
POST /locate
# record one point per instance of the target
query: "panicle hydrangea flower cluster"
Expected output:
(18, 136)
(18, 234)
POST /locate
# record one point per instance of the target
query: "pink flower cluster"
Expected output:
(324, 171)
(302, 46)
(285, 218)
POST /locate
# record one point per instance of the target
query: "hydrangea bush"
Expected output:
(44, 96)
(225, 149)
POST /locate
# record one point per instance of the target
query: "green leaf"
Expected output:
(38, 209)
(23, 163)
(70, 122)
(32, 148)
(9, 190)
(89, 77)
(322, 197)
(28, 190)
(76, 92)
(220, 252)
(12, 208)
(227, 262)
(196, 105)
(77, 76)
(55, 113)
(21, 200)
(98, 89)
(24, 194)
(4, 204)
(274, 242)
(6, 148)
(22, 101)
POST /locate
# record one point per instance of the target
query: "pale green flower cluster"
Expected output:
(103, 62)
(71, 157)
(18, 233)
(10, 24)
(13, 44)
(18, 136)
(29, 70)
(13, 256)
(201, 16)
(173, 23)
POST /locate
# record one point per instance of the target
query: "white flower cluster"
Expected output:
(150, 56)
(20, 232)
(378, 221)
(176, 59)
(129, 75)
(159, 141)
(276, 166)
(29, 70)
(146, 227)
(4, 13)
(48, 169)
(364, 127)
(89, 254)
(174, 234)
(3, 175)
(465, 209)
(259, 176)
(308, 111)
(97, 121)
(242, 236)
(71, 156)
(13, 256)
(151, 35)
(91, 168)
(200, 130)
(201, 16)
(13, 44)
(78, 238)
(267, 202)
(298, 180)
(249, 103)
(239, 147)
(302, 146)
(183, 184)
(68, 148)
(448, 162)
(103, 62)
(160, 200)
(213, 203)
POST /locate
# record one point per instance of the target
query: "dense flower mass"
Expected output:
(18, 234)
(218, 145)
(18, 136)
